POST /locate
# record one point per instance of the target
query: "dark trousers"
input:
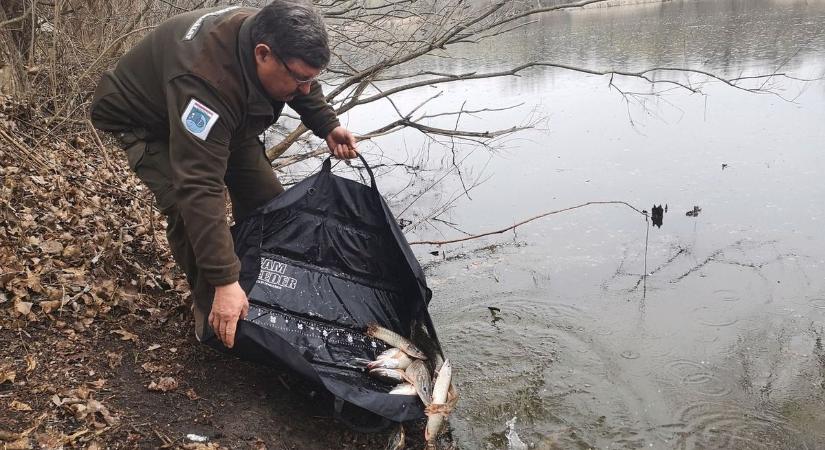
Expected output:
(251, 183)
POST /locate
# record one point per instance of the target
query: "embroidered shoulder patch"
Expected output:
(198, 119)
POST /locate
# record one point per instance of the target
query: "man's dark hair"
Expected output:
(292, 29)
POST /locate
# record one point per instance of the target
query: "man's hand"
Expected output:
(341, 143)
(230, 304)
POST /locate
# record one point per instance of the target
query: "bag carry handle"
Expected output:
(327, 167)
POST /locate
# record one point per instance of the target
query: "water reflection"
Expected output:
(550, 324)
(727, 37)
(657, 215)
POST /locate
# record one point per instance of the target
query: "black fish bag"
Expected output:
(319, 263)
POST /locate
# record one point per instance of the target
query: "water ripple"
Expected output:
(726, 295)
(721, 322)
(818, 303)
(630, 354)
(720, 425)
(697, 377)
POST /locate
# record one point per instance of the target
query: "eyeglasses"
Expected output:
(300, 81)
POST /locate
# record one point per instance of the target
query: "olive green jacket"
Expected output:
(192, 82)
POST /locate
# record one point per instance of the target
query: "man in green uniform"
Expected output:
(189, 102)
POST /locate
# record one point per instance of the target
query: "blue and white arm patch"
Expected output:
(198, 119)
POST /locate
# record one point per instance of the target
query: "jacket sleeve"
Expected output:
(198, 155)
(315, 112)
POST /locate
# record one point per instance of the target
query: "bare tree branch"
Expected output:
(13, 21)
(401, 123)
(285, 162)
(522, 222)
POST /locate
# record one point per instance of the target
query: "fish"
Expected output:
(421, 336)
(398, 439)
(361, 362)
(404, 389)
(388, 375)
(435, 421)
(391, 352)
(399, 361)
(395, 340)
(418, 375)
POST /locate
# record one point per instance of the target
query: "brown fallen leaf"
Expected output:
(51, 246)
(95, 406)
(7, 375)
(125, 335)
(71, 251)
(20, 444)
(164, 384)
(199, 446)
(32, 280)
(50, 305)
(78, 393)
(19, 406)
(50, 439)
(23, 308)
(151, 367)
(36, 178)
(8, 436)
(31, 363)
(98, 384)
(192, 394)
(114, 359)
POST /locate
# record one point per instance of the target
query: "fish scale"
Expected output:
(418, 375)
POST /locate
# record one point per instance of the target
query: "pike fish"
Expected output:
(360, 362)
(435, 421)
(391, 352)
(428, 345)
(398, 360)
(395, 340)
(388, 375)
(403, 389)
(418, 375)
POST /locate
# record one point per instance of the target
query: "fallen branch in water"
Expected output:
(513, 227)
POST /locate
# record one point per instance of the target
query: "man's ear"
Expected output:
(262, 52)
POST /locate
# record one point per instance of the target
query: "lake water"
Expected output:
(721, 345)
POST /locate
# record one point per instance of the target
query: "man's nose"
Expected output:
(303, 88)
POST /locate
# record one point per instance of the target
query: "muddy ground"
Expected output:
(232, 403)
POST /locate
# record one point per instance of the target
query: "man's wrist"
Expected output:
(226, 286)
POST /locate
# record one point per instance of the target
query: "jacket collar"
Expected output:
(258, 101)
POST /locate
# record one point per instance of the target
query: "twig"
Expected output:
(19, 18)
(452, 150)
(31, 155)
(94, 64)
(427, 189)
(101, 146)
(513, 227)
(644, 277)
(300, 157)
(442, 131)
